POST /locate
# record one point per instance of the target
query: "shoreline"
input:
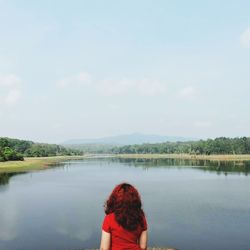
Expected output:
(39, 163)
(186, 157)
(35, 163)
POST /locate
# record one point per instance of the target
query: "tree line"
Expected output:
(221, 145)
(15, 149)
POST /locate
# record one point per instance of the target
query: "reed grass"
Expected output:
(245, 157)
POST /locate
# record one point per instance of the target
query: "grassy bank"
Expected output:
(34, 163)
(187, 156)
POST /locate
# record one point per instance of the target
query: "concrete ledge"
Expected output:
(149, 248)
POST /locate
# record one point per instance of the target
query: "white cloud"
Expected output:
(202, 124)
(113, 107)
(81, 79)
(9, 80)
(10, 89)
(144, 87)
(111, 87)
(57, 126)
(13, 96)
(188, 92)
(245, 38)
(150, 87)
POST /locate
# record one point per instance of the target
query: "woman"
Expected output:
(125, 225)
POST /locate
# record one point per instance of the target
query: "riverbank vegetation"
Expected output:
(214, 157)
(16, 150)
(218, 146)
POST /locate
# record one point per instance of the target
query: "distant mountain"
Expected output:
(129, 139)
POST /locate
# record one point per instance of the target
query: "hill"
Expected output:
(128, 139)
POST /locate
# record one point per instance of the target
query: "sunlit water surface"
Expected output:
(187, 207)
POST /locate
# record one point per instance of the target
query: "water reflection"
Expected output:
(221, 167)
(5, 177)
(206, 165)
(8, 220)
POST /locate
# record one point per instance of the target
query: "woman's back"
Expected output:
(125, 225)
(120, 237)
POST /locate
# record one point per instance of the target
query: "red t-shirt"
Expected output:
(120, 237)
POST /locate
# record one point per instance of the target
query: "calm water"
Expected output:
(187, 207)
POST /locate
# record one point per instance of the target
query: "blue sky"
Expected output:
(87, 69)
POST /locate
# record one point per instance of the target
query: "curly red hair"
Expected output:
(125, 203)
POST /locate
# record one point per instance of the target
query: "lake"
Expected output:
(189, 205)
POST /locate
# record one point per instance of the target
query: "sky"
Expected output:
(89, 69)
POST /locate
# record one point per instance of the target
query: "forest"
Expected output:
(15, 149)
(220, 145)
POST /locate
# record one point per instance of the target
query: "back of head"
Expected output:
(125, 203)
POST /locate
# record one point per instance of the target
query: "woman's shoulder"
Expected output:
(110, 217)
(108, 222)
